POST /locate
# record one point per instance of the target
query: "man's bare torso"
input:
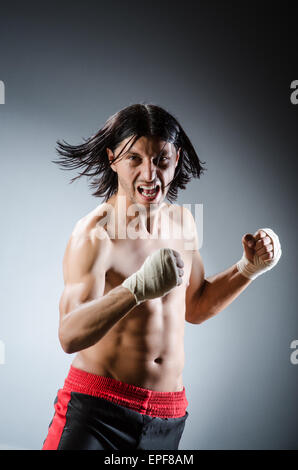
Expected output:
(146, 347)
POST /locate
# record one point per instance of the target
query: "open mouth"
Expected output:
(148, 193)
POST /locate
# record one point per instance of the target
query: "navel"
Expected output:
(158, 360)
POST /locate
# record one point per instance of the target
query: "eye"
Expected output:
(162, 160)
(133, 158)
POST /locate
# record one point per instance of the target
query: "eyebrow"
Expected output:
(162, 153)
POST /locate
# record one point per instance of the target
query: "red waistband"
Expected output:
(142, 400)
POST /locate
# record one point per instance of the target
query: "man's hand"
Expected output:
(161, 272)
(262, 252)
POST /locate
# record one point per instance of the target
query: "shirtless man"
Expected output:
(126, 299)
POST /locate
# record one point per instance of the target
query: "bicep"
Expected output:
(195, 286)
(79, 278)
(75, 293)
(197, 274)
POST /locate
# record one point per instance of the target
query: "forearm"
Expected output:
(87, 324)
(218, 292)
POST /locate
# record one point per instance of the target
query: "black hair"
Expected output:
(134, 121)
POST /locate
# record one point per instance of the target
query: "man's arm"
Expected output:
(83, 323)
(207, 297)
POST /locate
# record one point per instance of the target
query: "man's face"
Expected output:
(142, 178)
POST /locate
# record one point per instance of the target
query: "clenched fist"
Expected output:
(262, 252)
(160, 273)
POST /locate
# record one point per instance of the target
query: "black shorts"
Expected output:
(99, 413)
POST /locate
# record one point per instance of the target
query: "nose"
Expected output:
(148, 170)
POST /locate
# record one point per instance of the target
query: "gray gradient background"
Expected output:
(224, 71)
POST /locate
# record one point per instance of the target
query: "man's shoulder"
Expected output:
(179, 210)
(89, 224)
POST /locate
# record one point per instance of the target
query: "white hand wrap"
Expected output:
(259, 266)
(156, 277)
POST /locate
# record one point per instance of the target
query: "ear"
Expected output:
(177, 156)
(111, 158)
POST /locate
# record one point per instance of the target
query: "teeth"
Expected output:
(148, 187)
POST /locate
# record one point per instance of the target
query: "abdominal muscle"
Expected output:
(145, 348)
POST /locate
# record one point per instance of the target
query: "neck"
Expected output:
(135, 217)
